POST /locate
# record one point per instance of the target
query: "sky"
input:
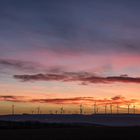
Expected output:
(69, 52)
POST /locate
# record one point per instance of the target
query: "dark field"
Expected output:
(28, 131)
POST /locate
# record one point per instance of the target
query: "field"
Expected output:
(114, 120)
(66, 127)
(70, 133)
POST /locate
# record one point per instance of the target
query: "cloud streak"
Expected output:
(84, 78)
(20, 65)
(11, 98)
(72, 101)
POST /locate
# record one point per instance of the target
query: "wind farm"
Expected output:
(110, 116)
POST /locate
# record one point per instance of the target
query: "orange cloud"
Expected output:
(120, 100)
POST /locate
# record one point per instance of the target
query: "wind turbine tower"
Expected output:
(117, 109)
(61, 110)
(81, 109)
(38, 110)
(134, 109)
(111, 108)
(128, 108)
(105, 108)
(13, 109)
(95, 108)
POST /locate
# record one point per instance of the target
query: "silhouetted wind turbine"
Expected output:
(95, 108)
(81, 109)
(134, 109)
(61, 110)
(13, 109)
(117, 109)
(56, 112)
(32, 112)
(111, 108)
(105, 108)
(128, 108)
(38, 110)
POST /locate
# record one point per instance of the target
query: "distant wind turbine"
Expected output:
(61, 110)
(81, 109)
(13, 109)
(128, 108)
(134, 109)
(38, 110)
(117, 109)
(111, 108)
(105, 108)
(95, 108)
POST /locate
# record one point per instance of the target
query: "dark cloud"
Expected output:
(11, 98)
(20, 65)
(92, 26)
(84, 78)
(119, 97)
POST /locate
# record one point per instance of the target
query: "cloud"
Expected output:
(75, 100)
(84, 78)
(66, 25)
(11, 98)
(119, 97)
(18, 64)
(120, 100)
(7, 65)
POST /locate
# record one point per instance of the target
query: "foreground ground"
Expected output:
(114, 120)
(29, 127)
(70, 133)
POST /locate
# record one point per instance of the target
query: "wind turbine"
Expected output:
(38, 110)
(128, 108)
(111, 108)
(61, 110)
(13, 109)
(117, 109)
(81, 109)
(95, 108)
(105, 108)
(134, 109)
(56, 112)
(32, 112)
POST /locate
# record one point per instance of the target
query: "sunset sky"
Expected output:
(56, 53)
